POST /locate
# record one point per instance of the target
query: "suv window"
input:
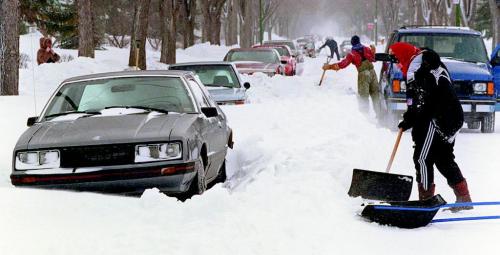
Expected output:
(463, 47)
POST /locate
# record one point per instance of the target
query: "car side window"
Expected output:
(199, 94)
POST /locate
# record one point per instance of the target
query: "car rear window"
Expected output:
(166, 93)
(213, 75)
(462, 47)
(267, 56)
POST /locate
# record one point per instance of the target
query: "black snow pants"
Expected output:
(334, 51)
(430, 150)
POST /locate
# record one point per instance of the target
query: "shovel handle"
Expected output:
(328, 59)
(393, 154)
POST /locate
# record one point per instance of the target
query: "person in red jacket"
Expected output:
(362, 57)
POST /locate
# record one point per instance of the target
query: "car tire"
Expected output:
(222, 175)
(198, 185)
(473, 125)
(488, 123)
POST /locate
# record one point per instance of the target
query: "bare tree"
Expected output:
(212, 11)
(495, 21)
(85, 29)
(390, 16)
(9, 47)
(169, 14)
(188, 9)
(247, 20)
(139, 33)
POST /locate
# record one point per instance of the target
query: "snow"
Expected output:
(295, 147)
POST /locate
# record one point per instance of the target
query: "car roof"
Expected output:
(438, 30)
(178, 73)
(222, 63)
(277, 41)
(253, 49)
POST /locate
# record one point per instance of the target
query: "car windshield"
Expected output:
(462, 47)
(163, 93)
(213, 75)
(267, 56)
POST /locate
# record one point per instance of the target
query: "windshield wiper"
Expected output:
(72, 112)
(217, 85)
(149, 109)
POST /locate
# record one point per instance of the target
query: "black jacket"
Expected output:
(332, 44)
(432, 98)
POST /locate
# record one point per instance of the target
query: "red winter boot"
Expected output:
(425, 194)
(462, 193)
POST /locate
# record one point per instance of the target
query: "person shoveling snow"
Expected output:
(435, 114)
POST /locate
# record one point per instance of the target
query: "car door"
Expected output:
(208, 128)
(495, 63)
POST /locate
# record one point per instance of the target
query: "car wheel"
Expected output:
(222, 176)
(198, 185)
(473, 125)
(488, 124)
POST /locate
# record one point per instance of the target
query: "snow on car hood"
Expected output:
(222, 94)
(98, 129)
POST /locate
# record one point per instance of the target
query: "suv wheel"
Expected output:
(198, 184)
(488, 123)
(473, 124)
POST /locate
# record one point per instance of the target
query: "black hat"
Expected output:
(355, 40)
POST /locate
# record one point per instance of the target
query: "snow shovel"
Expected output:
(324, 71)
(379, 185)
(404, 214)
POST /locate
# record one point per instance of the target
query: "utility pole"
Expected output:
(261, 22)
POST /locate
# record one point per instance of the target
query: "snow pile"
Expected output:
(295, 147)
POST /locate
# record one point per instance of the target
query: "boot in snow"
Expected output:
(462, 193)
(425, 194)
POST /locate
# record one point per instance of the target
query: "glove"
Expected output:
(404, 125)
(326, 67)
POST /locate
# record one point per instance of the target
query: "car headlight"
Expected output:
(32, 160)
(403, 86)
(480, 87)
(157, 152)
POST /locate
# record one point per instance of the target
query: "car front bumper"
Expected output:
(128, 179)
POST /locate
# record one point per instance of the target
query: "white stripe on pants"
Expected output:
(423, 156)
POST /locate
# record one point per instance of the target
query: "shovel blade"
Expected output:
(380, 186)
(404, 214)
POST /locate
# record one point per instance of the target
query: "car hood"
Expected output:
(97, 130)
(256, 65)
(460, 70)
(222, 94)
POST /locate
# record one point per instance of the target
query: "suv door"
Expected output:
(495, 63)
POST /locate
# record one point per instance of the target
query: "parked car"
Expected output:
(221, 79)
(125, 132)
(463, 52)
(251, 60)
(285, 57)
(296, 52)
(308, 46)
(345, 48)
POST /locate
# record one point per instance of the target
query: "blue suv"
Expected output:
(476, 79)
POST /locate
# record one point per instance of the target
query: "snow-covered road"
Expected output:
(296, 146)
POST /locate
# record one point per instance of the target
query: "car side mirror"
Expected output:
(385, 57)
(210, 112)
(495, 61)
(31, 121)
(246, 85)
(284, 62)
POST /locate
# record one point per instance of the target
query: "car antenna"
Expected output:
(32, 31)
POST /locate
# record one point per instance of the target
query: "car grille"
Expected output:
(102, 155)
(463, 88)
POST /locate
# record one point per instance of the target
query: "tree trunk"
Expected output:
(495, 20)
(139, 32)
(246, 20)
(169, 14)
(85, 29)
(188, 11)
(232, 21)
(212, 12)
(9, 47)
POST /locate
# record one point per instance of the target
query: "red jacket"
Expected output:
(355, 58)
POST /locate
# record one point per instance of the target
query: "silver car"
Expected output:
(221, 79)
(125, 132)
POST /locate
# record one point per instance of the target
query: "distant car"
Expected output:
(221, 79)
(345, 48)
(308, 46)
(125, 132)
(252, 60)
(296, 52)
(285, 56)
